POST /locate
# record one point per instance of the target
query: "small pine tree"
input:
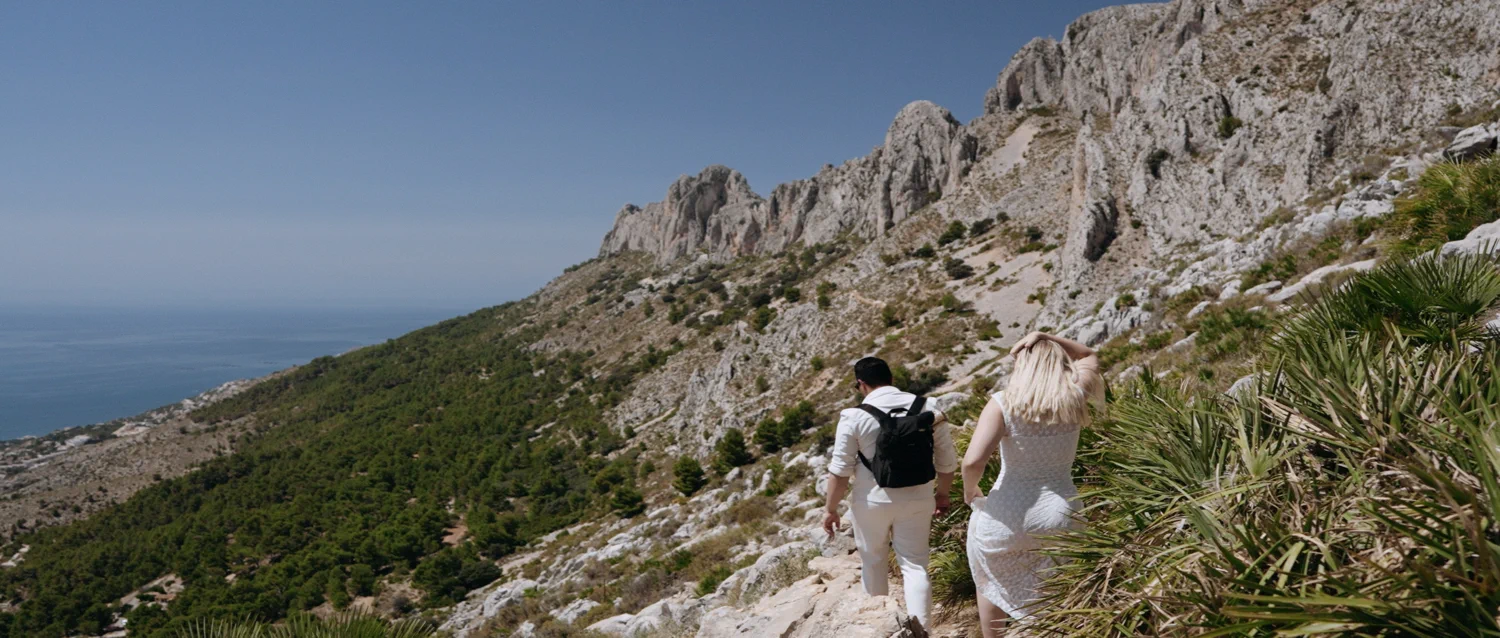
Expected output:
(768, 435)
(627, 501)
(731, 452)
(689, 475)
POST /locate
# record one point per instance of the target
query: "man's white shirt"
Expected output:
(857, 432)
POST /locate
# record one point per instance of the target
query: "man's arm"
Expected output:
(837, 485)
(840, 468)
(945, 459)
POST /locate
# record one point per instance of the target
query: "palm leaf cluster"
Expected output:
(344, 625)
(1449, 199)
(1354, 492)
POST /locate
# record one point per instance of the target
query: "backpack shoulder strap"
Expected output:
(917, 405)
(880, 418)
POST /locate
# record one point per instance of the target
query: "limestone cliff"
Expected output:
(1192, 120)
(715, 212)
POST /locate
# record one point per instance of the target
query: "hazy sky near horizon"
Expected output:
(410, 153)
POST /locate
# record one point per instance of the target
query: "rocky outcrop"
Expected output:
(484, 603)
(1484, 238)
(1473, 142)
(830, 602)
(716, 214)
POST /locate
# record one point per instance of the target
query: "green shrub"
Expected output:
(1228, 125)
(1282, 268)
(890, 316)
(951, 303)
(711, 580)
(952, 584)
(1430, 300)
(981, 226)
(763, 317)
(689, 477)
(1449, 200)
(730, 452)
(953, 233)
(773, 435)
(825, 290)
(816, 363)
(627, 501)
(919, 382)
(925, 252)
(957, 269)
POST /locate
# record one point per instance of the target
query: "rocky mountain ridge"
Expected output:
(1191, 120)
(715, 213)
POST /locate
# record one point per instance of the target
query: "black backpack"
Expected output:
(903, 450)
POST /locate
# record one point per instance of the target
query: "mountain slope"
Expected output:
(1121, 183)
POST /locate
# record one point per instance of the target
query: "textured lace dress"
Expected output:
(1034, 496)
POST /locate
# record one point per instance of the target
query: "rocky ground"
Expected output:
(72, 473)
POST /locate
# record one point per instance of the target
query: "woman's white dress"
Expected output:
(1033, 497)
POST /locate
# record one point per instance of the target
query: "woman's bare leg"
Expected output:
(991, 618)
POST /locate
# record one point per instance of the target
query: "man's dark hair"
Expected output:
(873, 371)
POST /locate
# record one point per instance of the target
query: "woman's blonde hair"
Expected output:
(1045, 387)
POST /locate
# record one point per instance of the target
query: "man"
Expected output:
(888, 516)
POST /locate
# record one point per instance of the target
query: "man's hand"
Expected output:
(944, 503)
(831, 523)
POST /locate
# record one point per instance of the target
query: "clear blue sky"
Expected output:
(408, 153)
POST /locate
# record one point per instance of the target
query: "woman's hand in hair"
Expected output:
(1028, 341)
(1075, 350)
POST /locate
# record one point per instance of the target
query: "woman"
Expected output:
(1035, 423)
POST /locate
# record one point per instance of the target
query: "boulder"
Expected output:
(1316, 277)
(1484, 238)
(613, 626)
(1184, 343)
(574, 610)
(1243, 384)
(483, 604)
(1265, 288)
(1230, 290)
(1473, 142)
(752, 579)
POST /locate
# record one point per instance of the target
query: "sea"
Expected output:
(62, 367)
